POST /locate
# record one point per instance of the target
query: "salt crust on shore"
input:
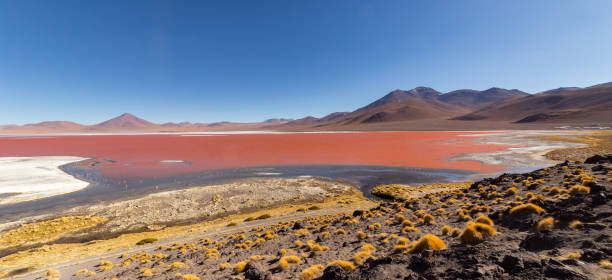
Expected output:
(28, 178)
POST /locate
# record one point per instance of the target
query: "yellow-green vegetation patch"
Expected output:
(47, 230)
(599, 142)
(397, 191)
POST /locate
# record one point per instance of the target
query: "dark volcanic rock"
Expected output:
(599, 159)
(334, 272)
(557, 270)
(255, 271)
(538, 241)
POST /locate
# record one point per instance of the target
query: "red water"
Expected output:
(140, 155)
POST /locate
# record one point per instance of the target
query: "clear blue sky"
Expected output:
(206, 61)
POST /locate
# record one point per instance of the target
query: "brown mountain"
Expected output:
(124, 122)
(587, 105)
(474, 99)
(44, 127)
(56, 125)
(421, 103)
(424, 108)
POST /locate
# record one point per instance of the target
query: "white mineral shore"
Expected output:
(529, 150)
(29, 178)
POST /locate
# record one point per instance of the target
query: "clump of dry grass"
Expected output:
(511, 191)
(146, 272)
(429, 219)
(105, 265)
(574, 224)
(239, 267)
(528, 208)
(314, 247)
(223, 266)
(374, 226)
(283, 262)
(484, 220)
(361, 235)
(606, 264)
(347, 266)
(427, 242)
(446, 229)
(52, 273)
(176, 265)
(312, 272)
(361, 256)
(547, 223)
(579, 189)
(475, 233)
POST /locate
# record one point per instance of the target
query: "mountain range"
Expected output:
(421, 108)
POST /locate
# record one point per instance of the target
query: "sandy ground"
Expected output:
(28, 178)
(293, 198)
(158, 210)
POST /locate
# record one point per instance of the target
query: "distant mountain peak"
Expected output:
(125, 121)
(503, 90)
(422, 89)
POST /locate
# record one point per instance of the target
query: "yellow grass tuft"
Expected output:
(527, 208)
(484, 220)
(344, 264)
(52, 273)
(574, 224)
(606, 264)
(361, 235)
(374, 226)
(223, 266)
(312, 272)
(239, 267)
(147, 272)
(579, 189)
(105, 265)
(284, 261)
(408, 229)
(429, 219)
(511, 191)
(176, 265)
(190, 277)
(475, 233)
(361, 256)
(446, 229)
(547, 223)
(427, 242)
(368, 247)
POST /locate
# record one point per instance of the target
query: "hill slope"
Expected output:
(588, 105)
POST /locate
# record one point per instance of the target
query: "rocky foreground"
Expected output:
(553, 223)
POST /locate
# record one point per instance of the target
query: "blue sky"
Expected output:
(206, 61)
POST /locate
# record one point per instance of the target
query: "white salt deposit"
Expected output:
(28, 178)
